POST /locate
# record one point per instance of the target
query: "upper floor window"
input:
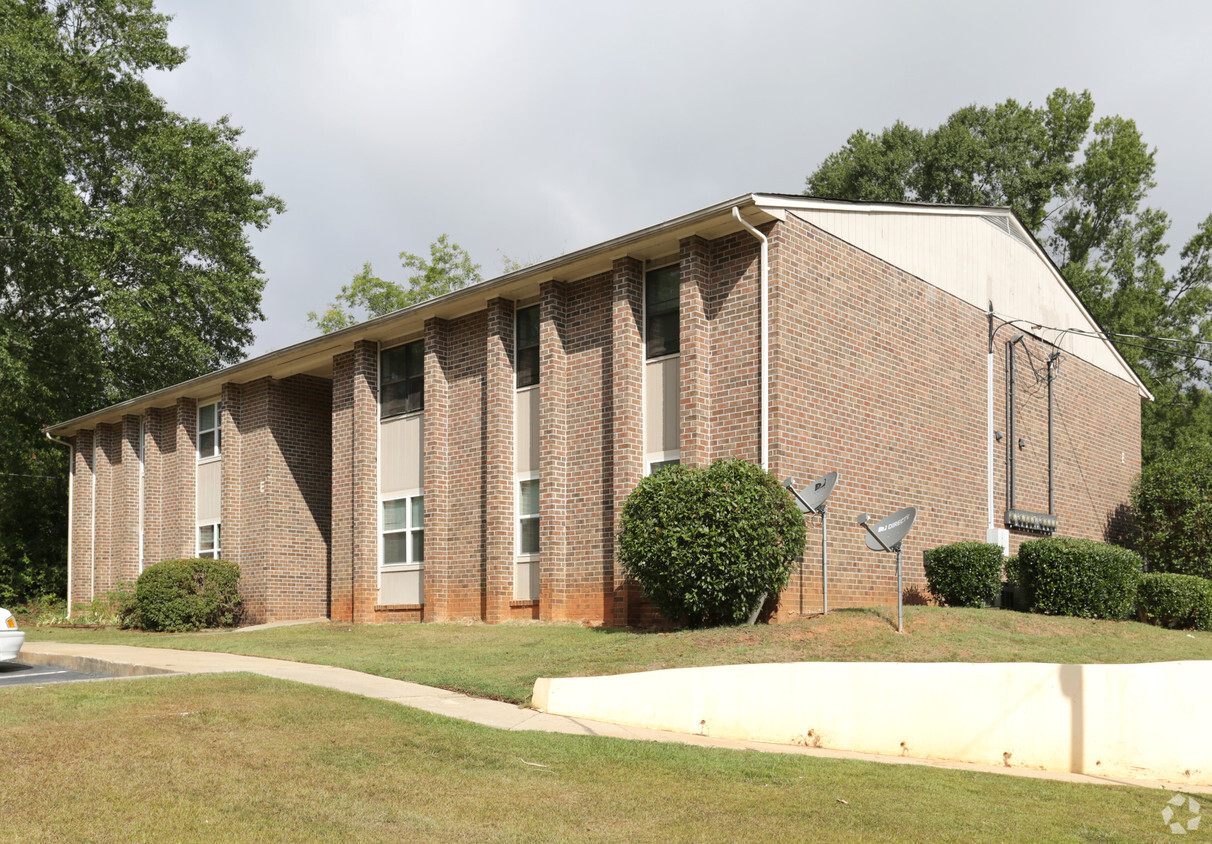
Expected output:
(526, 345)
(210, 430)
(402, 379)
(661, 324)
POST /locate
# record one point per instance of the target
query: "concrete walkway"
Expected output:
(127, 661)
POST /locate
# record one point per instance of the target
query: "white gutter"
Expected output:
(764, 270)
(71, 472)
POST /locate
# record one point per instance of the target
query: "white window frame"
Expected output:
(411, 564)
(523, 477)
(660, 457)
(215, 553)
(218, 430)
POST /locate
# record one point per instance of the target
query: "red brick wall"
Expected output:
(354, 484)
(881, 377)
(80, 589)
(555, 490)
(438, 451)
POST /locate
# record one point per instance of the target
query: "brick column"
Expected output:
(157, 450)
(627, 406)
(181, 528)
(126, 505)
(500, 509)
(553, 453)
(231, 509)
(695, 360)
(108, 447)
(80, 588)
(355, 517)
(437, 479)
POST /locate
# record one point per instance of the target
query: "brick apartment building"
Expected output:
(468, 457)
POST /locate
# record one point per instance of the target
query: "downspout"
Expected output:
(71, 470)
(764, 271)
(989, 428)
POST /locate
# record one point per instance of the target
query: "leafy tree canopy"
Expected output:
(1079, 185)
(123, 245)
(449, 268)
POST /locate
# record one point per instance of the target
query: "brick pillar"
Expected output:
(231, 505)
(124, 533)
(695, 360)
(553, 453)
(627, 407)
(355, 517)
(500, 509)
(181, 523)
(157, 450)
(437, 480)
(106, 455)
(80, 588)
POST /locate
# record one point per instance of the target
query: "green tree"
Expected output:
(1079, 187)
(449, 268)
(123, 242)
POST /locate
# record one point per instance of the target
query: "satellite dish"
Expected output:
(891, 529)
(815, 494)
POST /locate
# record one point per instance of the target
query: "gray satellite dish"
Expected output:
(890, 530)
(811, 499)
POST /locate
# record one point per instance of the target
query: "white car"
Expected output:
(11, 638)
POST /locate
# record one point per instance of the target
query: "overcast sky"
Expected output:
(531, 129)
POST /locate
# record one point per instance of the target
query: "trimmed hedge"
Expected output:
(706, 544)
(1172, 504)
(179, 595)
(964, 574)
(1079, 577)
(1175, 601)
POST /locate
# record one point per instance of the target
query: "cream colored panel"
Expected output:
(978, 261)
(661, 414)
(402, 587)
(402, 454)
(526, 581)
(526, 430)
(210, 489)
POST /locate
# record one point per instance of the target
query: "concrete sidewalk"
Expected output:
(127, 661)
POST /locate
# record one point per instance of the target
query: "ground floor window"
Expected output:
(208, 541)
(526, 571)
(662, 459)
(402, 550)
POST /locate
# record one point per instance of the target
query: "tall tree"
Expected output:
(1080, 188)
(449, 268)
(123, 245)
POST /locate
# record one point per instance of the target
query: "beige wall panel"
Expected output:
(526, 581)
(402, 454)
(661, 414)
(977, 260)
(402, 587)
(526, 430)
(210, 486)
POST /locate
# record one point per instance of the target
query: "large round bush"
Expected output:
(176, 595)
(706, 544)
(1172, 500)
(964, 574)
(1079, 577)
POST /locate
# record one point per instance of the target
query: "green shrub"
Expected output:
(964, 574)
(1172, 500)
(1175, 601)
(178, 595)
(1079, 577)
(706, 544)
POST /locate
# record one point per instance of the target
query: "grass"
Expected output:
(244, 758)
(502, 661)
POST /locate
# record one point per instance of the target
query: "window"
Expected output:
(657, 465)
(661, 290)
(210, 432)
(528, 517)
(404, 531)
(208, 541)
(526, 346)
(402, 379)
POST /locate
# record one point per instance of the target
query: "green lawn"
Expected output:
(502, 661)
(243, 758)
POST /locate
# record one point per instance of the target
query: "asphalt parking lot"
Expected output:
(20, 674)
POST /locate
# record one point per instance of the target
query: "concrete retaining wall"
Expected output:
(1134, 721)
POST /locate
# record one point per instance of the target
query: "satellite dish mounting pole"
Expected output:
(894, 527)
(900, 592)
(824, 557)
